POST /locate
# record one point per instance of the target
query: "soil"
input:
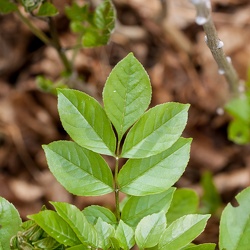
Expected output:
(170, 45)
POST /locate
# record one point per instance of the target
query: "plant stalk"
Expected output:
(203, 8)
(33, 29)
(117, 197)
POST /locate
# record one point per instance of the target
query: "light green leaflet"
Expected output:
(56, 227)
(86, 122)
(136, 208)
(125, 235)
(157, 173)
(185, 201)
(80, 171)
(127, 94)
(104, 232)
(183, 231)
(235, 224)
(149, 230)
(76, 220)
(8, 213)
(157, 130)
(92, 213)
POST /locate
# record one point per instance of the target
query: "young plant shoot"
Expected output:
(154, 215)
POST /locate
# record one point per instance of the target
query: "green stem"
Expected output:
(56, 44)
(33, 28)
(117, 200)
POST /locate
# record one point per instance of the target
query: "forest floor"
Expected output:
(171, 47)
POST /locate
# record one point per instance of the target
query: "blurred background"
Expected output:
(164, 37)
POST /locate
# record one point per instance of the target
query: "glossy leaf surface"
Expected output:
(157, 173)
(77, 221)
(183, 231)
(157, 130)
(80, 171)
(85, 121)
(127, 93)
(150, 229)
(56, 227)
(10, 222)
(235, 224)
(137, 208)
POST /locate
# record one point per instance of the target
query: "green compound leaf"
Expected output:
(80, 171)
(104, 231)
(92, 213)
(102, 24)
(157, 173)
(10, 222)
(125, 235)
(235, 224)
(86, 122)
(84, 231)
(47, 10)
(137, 208)
(183, 231)
(206, 246)
(127, 94)
(56, 227)
(149, 230)
(157, 130)
(185, 201)
(7, 7)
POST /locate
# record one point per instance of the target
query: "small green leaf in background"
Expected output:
(47, 9)
(183, 231)
(10, 222)
(157, 130)
(157, 173)
(102, 23)
(104, 232)
(77, 13)
(125, 235)
(80, 171)
(235, 224)
(127, 93)
(239, 127)
(56, 227)
(86, 122)
(92, 213)
(137, 208)
(31, 5)
(239, 132)
(77, 222)
(205, 246)
(185, 201)
(7, 7)
(150, 229)
(210, 200)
